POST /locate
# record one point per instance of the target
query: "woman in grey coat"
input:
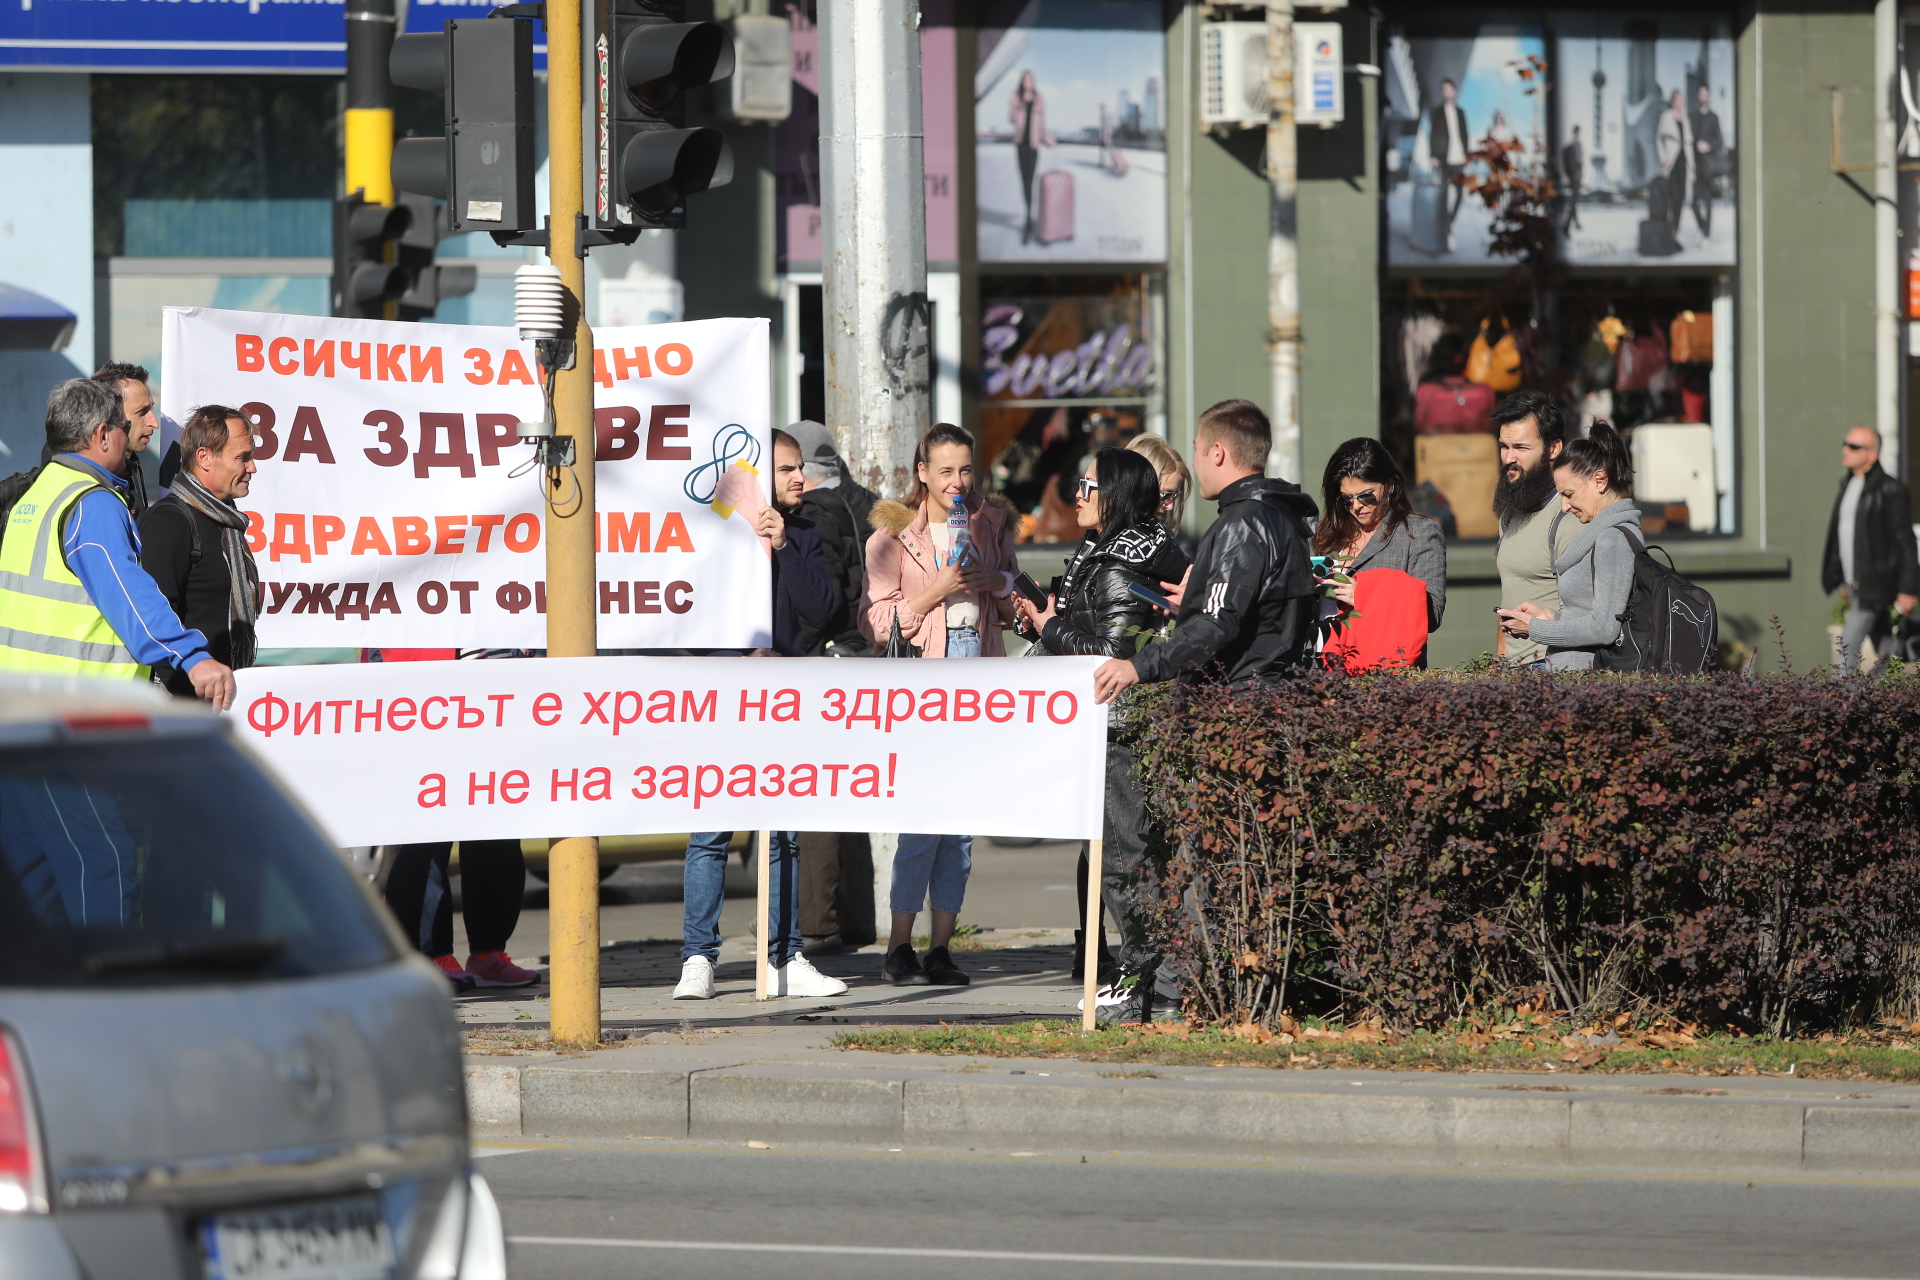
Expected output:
(1595, 476)
(1369, 518)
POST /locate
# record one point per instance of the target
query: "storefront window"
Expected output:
(1561, 215)
(1068, 366)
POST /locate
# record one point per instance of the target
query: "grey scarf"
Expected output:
(243, 576)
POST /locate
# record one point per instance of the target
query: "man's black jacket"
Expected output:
(1250, 605)
(1884, 561)
(841, 516)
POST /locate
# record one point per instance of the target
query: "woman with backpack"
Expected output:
(1595, 477)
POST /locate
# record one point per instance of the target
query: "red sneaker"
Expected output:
(462, 980)
(497, 969)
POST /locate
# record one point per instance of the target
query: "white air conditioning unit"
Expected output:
(1233, 73)
(761, 88)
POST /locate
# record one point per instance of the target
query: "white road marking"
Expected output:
(1111, 1259)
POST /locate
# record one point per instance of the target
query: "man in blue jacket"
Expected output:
(803, 596)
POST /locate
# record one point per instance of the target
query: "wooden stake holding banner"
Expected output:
(1092, 937)
(763, 860)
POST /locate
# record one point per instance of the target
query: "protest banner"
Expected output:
(403, 752)
(395, 505)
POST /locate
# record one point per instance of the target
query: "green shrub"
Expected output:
(1745, 852)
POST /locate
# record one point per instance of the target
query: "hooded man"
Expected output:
(839, 508)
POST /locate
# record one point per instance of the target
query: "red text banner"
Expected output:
(394, 505)
(394, 753)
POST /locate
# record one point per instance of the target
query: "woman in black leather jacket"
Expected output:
(1094, 612)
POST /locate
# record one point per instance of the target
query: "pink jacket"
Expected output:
(902, 562)
(1017, 111)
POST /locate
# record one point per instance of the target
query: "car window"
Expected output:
(166, 860)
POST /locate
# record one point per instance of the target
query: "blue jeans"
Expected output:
(963, 642)
(70, 852)
(705, 888)
(937, 863)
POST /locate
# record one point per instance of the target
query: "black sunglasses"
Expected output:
(1365, 498)
(1851, 447)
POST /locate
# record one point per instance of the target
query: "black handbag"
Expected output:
(897, 646)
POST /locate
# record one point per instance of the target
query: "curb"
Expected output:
(1462, 1126)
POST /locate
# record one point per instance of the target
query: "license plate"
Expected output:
(333, 1240)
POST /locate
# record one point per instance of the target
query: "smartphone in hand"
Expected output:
(1152, 597)
(1026, 586)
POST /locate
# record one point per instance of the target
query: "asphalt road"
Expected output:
(671, 1211)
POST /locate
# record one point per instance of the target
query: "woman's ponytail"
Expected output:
(1603, 449)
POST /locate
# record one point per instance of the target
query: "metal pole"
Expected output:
(763, 862)
(1093, 936)
(368, 128)
(1886, 237)
(874, 229)
(573, 865)
(1283, 247)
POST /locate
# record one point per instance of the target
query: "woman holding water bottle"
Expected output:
(940, 567)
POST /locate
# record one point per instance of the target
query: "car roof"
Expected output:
(38, 707)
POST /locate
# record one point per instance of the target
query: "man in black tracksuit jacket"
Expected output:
(1249, 604)
(1247, 609)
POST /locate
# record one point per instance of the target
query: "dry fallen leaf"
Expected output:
(758, 1145)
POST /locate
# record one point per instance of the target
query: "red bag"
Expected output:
(1639, 361)
(1388, 625)
(1452, 406)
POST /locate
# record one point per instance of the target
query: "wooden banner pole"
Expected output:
(1093, 937)
(763, 841)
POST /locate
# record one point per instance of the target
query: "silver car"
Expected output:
(218, 1058)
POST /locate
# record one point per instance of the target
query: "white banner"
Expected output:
(385, 512)
(389, 753)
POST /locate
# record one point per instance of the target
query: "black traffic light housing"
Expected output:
(365, 275)
(646, 61)
(484, 166)
(429, 283)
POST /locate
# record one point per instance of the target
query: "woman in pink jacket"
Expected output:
(946, 610)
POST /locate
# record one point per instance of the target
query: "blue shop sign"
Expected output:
(202, 35)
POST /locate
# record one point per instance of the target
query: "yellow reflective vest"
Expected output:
(47, 621)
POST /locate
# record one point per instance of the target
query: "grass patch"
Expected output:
(964, 939)
(1886, 1054)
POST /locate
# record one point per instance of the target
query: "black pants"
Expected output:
(1029, 159)
(493, 877)
(1455, 192)
(1133, 858)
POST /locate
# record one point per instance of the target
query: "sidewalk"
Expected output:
(735, 1069)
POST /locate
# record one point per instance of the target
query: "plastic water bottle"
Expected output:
(959, 532)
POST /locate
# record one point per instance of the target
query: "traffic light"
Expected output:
(646, 60)
(429, 283)
(365, 275)
(483, 168)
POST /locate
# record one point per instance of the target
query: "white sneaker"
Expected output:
(1111, 994)
(696, 979)
(798, 977)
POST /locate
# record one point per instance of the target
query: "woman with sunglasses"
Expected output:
(1370, 524)
(1094, 611)
(1176, 482)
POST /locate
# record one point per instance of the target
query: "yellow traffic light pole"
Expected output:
(573, 874)
(368, 127)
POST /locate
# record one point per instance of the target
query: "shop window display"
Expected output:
(1560, 214)
(1639, 353)
(1068, 366)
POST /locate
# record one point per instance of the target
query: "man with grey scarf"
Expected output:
(194, 541)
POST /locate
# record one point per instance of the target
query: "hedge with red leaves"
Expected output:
(1741, 851)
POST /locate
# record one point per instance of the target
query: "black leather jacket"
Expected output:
(1250, 606)
(1884, 562)
(1098, 613)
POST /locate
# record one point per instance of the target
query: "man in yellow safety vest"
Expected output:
(73, 597)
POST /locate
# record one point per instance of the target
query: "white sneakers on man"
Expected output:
(696, 979)
(1104, 997)
(798, 977)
